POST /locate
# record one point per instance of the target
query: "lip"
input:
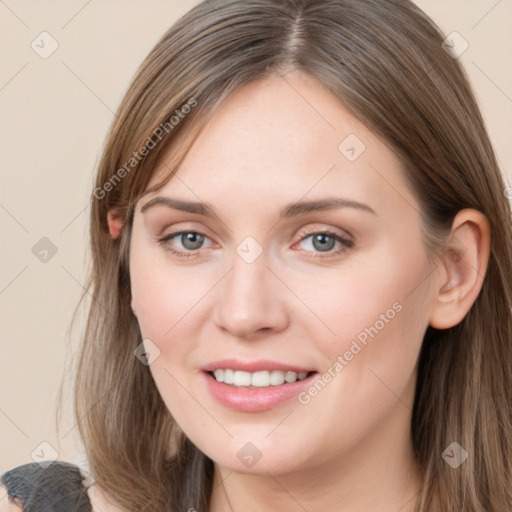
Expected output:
(253, 366)
(256, 399)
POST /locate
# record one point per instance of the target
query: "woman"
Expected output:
(301, 273)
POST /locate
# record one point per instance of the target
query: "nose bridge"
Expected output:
(250, 300)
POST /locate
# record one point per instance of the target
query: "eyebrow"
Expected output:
(289, 210)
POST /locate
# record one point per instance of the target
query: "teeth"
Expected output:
(228, 376)
(290, 376)
(257, 379)
(276, 378)
(219, 375)
(242, 378)
(260, 379)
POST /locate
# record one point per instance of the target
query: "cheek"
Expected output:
(162, 294)
(163, 298)
(376, 315)
(373, 291)
(379, 318)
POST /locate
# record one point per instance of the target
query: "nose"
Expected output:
(252, 300)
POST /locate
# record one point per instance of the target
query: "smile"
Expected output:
(238, 378)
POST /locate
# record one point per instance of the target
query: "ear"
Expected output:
(114, 224)
(462, 269)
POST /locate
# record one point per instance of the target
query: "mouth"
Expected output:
(255, 386)
(258, 379)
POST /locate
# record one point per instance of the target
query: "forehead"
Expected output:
(281, 138)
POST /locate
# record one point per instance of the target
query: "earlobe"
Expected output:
(462, 269)
(114, 224)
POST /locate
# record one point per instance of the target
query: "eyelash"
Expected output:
(346, 243)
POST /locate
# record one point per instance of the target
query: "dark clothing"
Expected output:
(55, 488)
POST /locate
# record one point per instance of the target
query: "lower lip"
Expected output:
(255, 399)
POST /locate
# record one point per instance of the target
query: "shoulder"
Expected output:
(51, 487)
(8, 504)
(58, 487)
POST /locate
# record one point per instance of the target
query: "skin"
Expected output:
(271, 143)
(6, 505)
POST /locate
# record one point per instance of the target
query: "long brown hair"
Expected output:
(385, 62)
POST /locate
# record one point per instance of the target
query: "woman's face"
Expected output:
(273, 285)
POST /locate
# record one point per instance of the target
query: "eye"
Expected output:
(191, 241)
(321, 241)
(325, 241)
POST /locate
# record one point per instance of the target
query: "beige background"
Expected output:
(55, 113)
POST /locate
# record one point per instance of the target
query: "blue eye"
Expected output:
(324, 242)
(190, 240)
(321, 241)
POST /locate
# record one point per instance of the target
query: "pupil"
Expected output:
(192, 240)
(321, 238)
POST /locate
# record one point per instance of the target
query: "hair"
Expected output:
(384, 61)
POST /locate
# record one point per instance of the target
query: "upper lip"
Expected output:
(253, 366)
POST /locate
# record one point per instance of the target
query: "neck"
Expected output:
(379, 474)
